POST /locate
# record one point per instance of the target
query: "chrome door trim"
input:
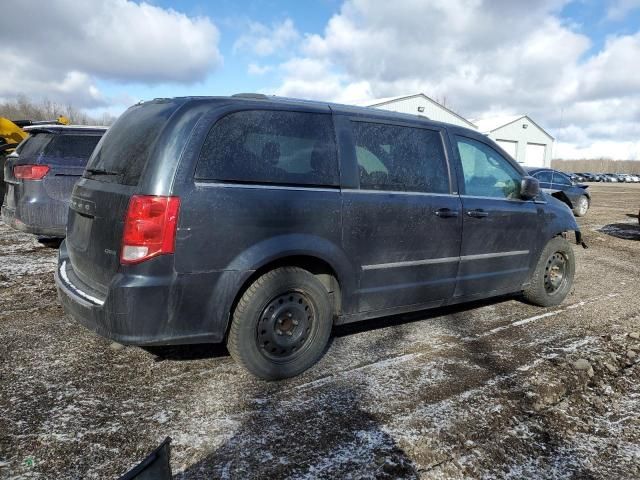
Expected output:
(411, 263)
(434, 261)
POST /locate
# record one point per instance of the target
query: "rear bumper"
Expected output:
(176, 309)
(50, 220)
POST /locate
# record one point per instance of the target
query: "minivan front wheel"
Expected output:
(553, 277)
(582, 206)
(281, 324)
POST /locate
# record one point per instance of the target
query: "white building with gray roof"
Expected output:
(521, 137)
(419, 104)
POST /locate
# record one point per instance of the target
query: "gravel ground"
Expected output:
(496, 389)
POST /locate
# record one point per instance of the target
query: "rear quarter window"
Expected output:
(265, 146)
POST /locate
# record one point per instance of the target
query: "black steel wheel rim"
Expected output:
(285, 327)
(555, 273)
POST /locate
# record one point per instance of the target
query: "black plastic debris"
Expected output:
(155, 467)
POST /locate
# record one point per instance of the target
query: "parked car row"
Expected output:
(262, 222)
(604, 177)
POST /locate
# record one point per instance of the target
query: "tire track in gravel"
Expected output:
(439, 380)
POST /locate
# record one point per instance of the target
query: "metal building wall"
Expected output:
(532, 134)
(431, 110)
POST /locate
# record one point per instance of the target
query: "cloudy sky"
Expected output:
(573, 66)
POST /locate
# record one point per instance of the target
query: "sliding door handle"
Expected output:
(446, 213)
(479, 213)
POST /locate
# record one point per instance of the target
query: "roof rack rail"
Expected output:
(256, 96)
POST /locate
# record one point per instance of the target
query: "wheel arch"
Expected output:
(558, 221)
(560, 195)
(319, 256)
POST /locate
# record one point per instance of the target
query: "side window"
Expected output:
(400, 158)
(265, 146)
(486, 172)
(561, 179)
(544, 176)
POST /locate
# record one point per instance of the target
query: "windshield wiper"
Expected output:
(101, 171)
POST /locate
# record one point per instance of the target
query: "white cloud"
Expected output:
(60, 49)
(255, 69)
(313, 78)
(263, 41)
(485, 57)
(627, 150)
(607, 74)
(620, 8)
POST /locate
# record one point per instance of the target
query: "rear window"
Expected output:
(270, 147)
(34, 145)
(72, 146)
(124, 150)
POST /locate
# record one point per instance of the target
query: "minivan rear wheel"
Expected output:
(553, 277)
(281, 324)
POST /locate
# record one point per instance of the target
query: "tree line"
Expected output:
(22, 108)
(598, 165)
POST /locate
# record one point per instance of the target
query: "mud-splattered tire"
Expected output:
(582, 206)
(281, 324)
(553, 277)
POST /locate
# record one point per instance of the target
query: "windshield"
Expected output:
(124, 150)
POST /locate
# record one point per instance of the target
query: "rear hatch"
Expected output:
(67, 155)
(100, 199)
(64, 152)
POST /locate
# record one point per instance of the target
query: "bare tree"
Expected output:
(24, 109)
(598, 165)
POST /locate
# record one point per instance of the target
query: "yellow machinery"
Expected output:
(11, 132)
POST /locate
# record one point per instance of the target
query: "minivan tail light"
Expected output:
(149, 228)
(30, 172)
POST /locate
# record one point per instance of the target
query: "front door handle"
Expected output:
(446, 213)
(479, 213)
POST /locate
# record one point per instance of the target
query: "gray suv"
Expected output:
(263, 221)
(40, 176)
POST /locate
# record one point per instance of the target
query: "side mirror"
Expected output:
(529, 188)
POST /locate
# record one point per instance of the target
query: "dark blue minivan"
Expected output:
(263, 221)
(39, 177)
